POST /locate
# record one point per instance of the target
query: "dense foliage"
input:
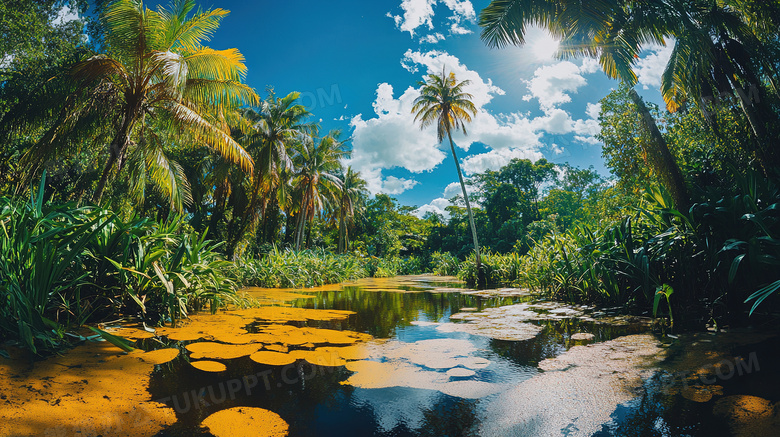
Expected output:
(140, 176)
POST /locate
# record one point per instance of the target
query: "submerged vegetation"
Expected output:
(140, 176)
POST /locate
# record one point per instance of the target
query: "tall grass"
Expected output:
(308, 268)
(499, 269)
(62, 266)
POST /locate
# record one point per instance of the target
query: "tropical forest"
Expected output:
(550, 218)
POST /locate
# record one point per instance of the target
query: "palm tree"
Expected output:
(317, 163)
(443, 102)
(158, 75)
(273, 128)
(612, 31)
(352, 190)
(716, 48)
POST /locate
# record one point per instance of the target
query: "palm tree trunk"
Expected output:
(666, 166)
(342, 230)
(301, 222)
(468, 210)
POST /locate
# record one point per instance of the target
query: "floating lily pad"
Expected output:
(160, 356)
(219, 351)
(246, 422)
(209, 366)
(271, 358)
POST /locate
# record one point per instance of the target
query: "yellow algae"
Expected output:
(356, 352)
(246, 338)
(209, 366)
(272, 358)
(307, 336)
(219, 351)
(78, 394)
(183, 334)
(159, 356)
(131, 333)
(319, 358)
(246, 422)
(286, 314)
(749, 415)
(277, 348)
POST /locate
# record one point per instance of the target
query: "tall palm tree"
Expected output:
(274, 127)
(443, 102)
(352, 190)
(158, 75)
(317, 163)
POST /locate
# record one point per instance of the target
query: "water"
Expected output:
(420, 401)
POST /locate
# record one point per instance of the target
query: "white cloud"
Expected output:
(587, 140)
(552, 83)
(496, 159)
(65, 15)
(589, 66)
(439, 204)
(432, 39)
(392, 140)
(416, 13)
(457, 29)
(394, 185)
(462, 9)
(452, 190)
(436, 206)
(555, 121)
(419, 13)
(650, 68)
(593, 110)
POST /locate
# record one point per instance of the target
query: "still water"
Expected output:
(440, 383)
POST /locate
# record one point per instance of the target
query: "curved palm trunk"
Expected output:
(342, 228)
(666, 166)
(117, 150)
(480, 277)
(302, 221)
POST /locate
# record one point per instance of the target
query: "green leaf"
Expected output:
(119, 342)
(762, 294)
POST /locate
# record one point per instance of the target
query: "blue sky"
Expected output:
(357, 64)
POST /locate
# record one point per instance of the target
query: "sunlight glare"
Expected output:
(541, 44)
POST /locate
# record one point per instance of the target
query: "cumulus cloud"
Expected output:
(394, 185)
(439, 204)
(650, 67)
(496, 159)
(552, 84)
(420, 13)
(390, 138)
(432, 39)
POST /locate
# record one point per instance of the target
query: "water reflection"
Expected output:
(316, 401)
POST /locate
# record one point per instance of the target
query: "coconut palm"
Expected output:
(155, 75)
(317, 163)
(443, 102)
(352, 190)
(273, 128)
